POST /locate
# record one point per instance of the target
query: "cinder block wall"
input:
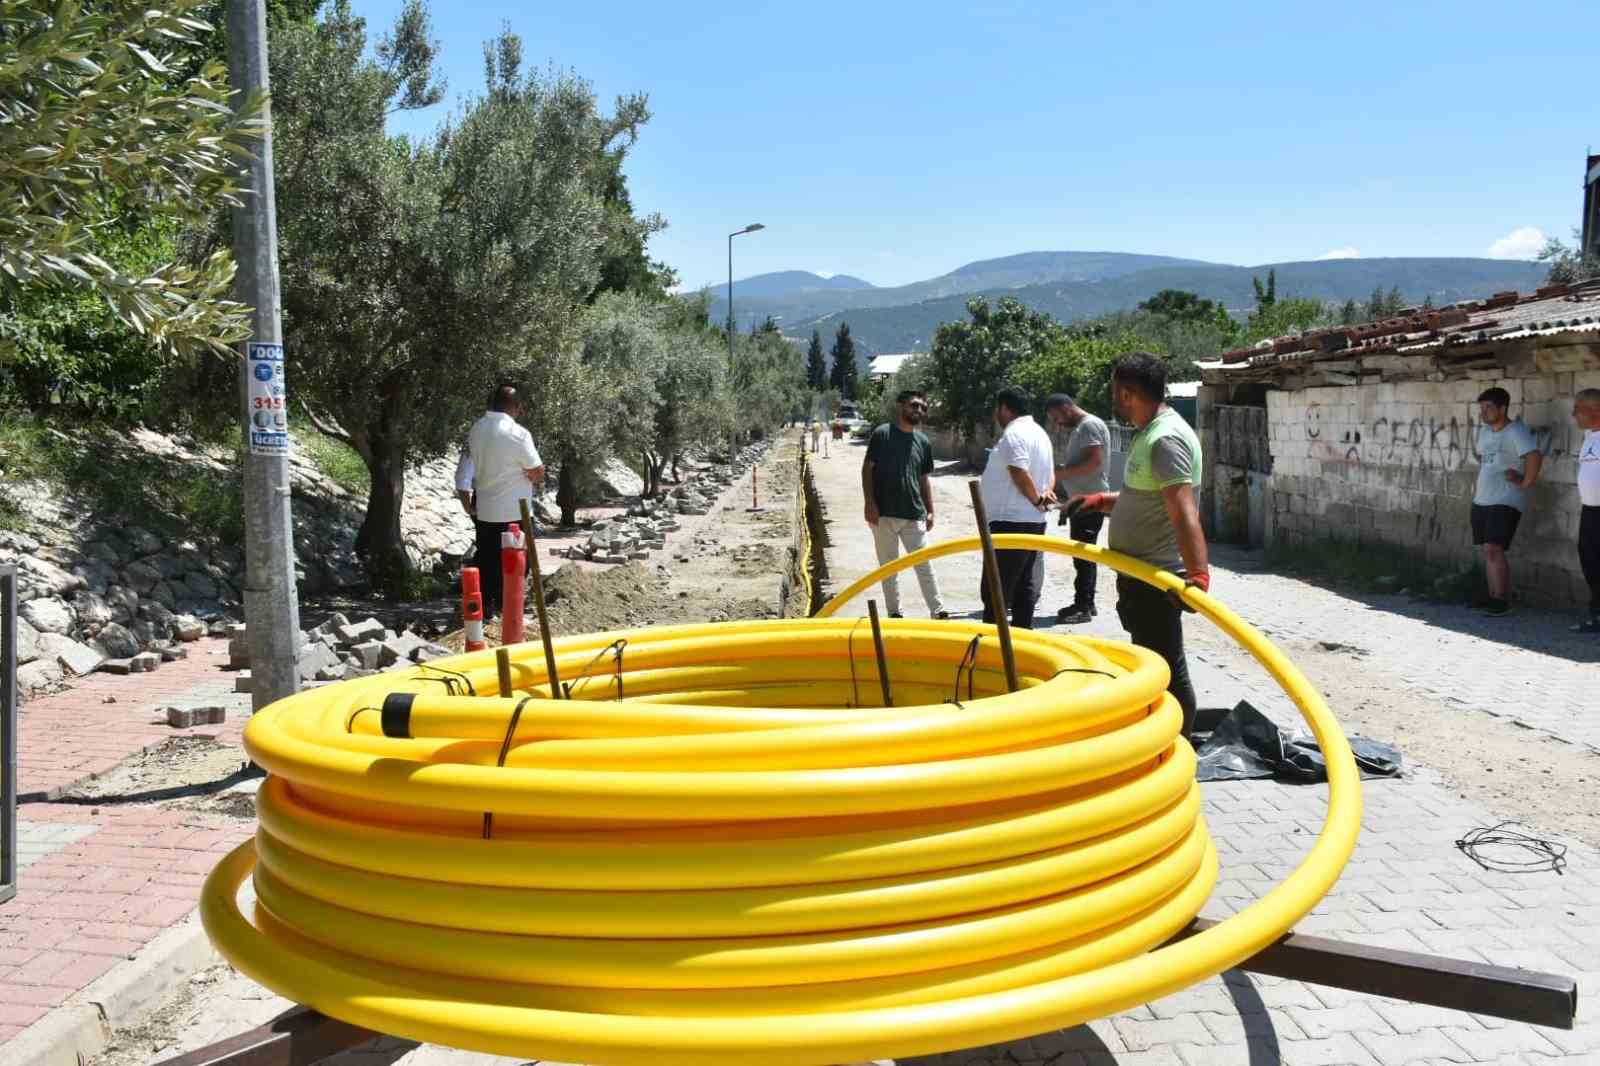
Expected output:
(1396, 464)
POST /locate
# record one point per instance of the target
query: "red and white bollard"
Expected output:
(472, 609)
(513, 567)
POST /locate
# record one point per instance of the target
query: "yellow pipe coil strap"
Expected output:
(744, 858)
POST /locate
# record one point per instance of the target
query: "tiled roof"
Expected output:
(1555, 309)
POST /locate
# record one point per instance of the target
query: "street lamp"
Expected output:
(748, 229)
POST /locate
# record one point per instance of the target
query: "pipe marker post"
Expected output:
(538, 602)
(877, 646)
(997, 596)
(472, 608)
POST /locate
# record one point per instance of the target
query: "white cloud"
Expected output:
(824, 274)
(1349, 251)
(1524, 242)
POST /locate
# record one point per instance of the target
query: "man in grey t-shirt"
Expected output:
(1508, 466)
(1080, 470)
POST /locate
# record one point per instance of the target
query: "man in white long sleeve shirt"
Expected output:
(464, 474)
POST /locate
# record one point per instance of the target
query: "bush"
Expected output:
(336, 461)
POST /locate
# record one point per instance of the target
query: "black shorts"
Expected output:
(1495, 524)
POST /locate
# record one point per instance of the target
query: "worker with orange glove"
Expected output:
(1155, 517)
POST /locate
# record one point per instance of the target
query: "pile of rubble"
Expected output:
(339, 649)
(645, 526)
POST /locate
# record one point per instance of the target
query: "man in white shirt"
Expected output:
(1586, 412)
(1016, 491)
(505, 468)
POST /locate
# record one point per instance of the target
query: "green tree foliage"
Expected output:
(1291, 314)
(767, 382)
(95, 126)
(415, 275)
(1567, 266)
(1383, 304)
(1350, 313)
(842, 377)
(1266, 295)
(1177, 310)
(1081, 364)
(658, 382)
(70, 351)
(816, 364)
(971, 360)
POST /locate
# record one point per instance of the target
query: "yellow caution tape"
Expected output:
(746, 858)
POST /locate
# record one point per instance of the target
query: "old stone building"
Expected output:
(1367, 433)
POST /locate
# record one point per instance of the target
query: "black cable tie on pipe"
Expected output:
(397, 714)
(505, 749)
(969, 665)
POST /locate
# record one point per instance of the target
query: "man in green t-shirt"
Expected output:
(1155, 517)
(899, 496)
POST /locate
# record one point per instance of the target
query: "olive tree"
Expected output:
(95, 124)
(418, 273)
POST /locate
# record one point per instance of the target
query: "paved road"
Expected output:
(1406, 887)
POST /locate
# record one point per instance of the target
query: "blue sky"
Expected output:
(896, 141)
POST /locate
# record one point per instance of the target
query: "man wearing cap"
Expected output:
(1155, 517)
(1508, 467)
(1080, 470)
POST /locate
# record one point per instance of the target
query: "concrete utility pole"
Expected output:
(271, 604)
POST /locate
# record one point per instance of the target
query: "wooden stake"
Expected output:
(538, 600)
(883, 662)
(997, 598)
(502, 662)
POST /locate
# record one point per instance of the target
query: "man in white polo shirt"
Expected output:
(1586, 412)
(505, 468)
(1016, 491)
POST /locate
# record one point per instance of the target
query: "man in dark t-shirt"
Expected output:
(899, 496)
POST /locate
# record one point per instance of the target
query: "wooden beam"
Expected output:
(1456, 984)
(302, 1037)
(297, 1037)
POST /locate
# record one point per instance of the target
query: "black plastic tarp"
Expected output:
(1236, 743)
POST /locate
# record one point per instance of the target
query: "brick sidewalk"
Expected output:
(97, 883)
(64, 738)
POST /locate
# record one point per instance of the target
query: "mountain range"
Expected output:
(1073, 285)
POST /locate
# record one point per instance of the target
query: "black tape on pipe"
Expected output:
(397, 715)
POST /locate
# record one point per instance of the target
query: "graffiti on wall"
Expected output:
(1418, 443)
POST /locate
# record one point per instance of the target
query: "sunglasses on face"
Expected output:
(917, 406)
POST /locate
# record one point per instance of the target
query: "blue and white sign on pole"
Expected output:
(268, 400)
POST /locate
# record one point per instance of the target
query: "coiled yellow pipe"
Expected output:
(725, 851)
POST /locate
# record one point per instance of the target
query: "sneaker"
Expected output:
(1591, 626)
(896, 614)
(1481, 601)
(1497, 609)
(941, 616)
(1077, 614)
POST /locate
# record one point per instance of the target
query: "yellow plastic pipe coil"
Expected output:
(724, 849)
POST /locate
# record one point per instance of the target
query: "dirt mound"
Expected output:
(623, 597)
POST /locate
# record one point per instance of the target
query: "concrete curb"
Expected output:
(79, 1029)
